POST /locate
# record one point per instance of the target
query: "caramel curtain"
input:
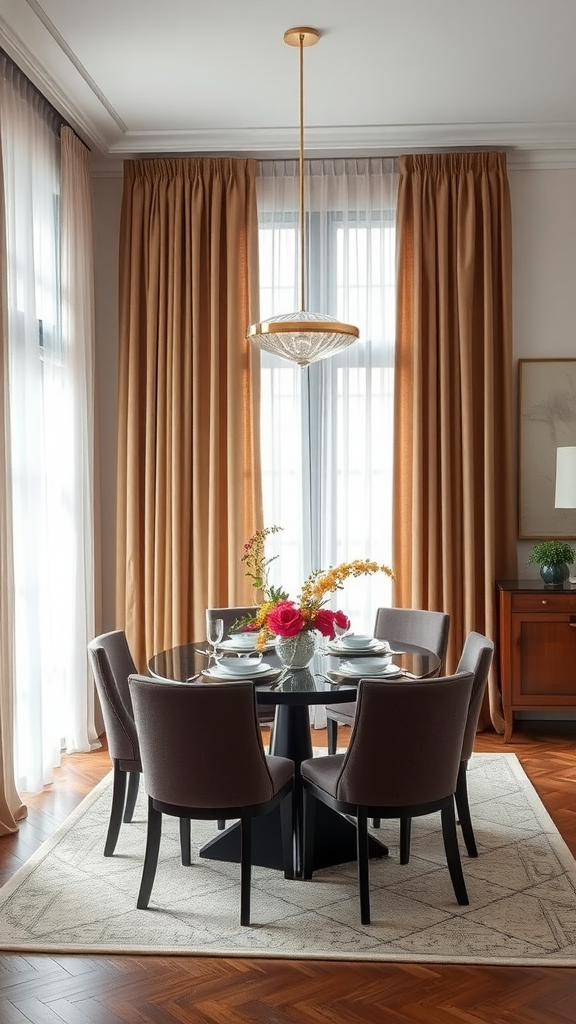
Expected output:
(189, 464)
(454, 511)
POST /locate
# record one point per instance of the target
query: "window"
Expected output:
(327, 430)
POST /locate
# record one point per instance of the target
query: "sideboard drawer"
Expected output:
(555, 601)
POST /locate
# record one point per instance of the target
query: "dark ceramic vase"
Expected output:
(555, 575)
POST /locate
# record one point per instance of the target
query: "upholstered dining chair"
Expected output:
(405, 626)
(112, 663)
(402, 761)
(476, 657)
(189, 778)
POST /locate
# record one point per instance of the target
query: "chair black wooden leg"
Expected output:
(151, 857)
(132, 795)
(405, 833)
(453, 853)
(463, 808)
(221, 824)
(288, 827)
(308, 829)
(245, 867)
(116, 811)
(272, 724)
(376, 822)
(363, 864)
(185, 850)
(332, 734)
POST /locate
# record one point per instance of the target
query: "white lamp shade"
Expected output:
(565, 477)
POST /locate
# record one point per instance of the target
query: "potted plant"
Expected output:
(553, 557)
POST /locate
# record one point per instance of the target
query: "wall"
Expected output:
(544, 310)
(544, 276)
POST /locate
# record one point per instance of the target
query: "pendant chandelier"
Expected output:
(302, 337)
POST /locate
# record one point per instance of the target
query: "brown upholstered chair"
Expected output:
(403, 625)
(402, 761)
(476, 658)
(189, 777)
(111, 664)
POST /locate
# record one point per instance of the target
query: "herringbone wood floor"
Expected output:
(153, 990)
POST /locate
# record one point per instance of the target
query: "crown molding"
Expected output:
(73, 95)
(535, 145)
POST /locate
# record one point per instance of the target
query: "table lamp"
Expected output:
(566, 482)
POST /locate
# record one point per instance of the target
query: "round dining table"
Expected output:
(332, 678)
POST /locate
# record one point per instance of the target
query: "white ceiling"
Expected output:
(212, 76)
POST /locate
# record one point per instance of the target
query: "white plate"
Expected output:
(356, 641)
(368, 667)
(232, 645)
(374, 647)
(219, 673)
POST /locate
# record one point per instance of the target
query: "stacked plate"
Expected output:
(243, 643)
(238, 668)
(357, 644)
(362, 667)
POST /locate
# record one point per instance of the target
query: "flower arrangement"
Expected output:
(281, 617)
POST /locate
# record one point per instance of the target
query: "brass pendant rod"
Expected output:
(301, 163)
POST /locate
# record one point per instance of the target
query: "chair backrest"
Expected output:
(230, 615)
(183, 761)
(406, 743)
(476, 657)
(112, 663)
(414, 626)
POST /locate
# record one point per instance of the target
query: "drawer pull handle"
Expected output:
(544, 602)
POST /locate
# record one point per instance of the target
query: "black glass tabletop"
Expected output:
(332, 676)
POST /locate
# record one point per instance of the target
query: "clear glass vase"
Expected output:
(296, 651)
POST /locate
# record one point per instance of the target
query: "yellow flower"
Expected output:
(312, 595)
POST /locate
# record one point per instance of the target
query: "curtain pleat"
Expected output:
(11, 807)
(454, 505)
(78, 330)
(189, 492)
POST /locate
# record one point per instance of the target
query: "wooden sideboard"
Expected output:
(537, 648)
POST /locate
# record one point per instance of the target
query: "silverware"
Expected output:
(207, 654)
(278, 682)
(191, 679)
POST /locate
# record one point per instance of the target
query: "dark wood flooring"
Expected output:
(38, 989)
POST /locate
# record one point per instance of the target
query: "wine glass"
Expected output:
(342, 631)
(214, 633)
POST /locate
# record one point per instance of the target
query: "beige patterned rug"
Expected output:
(522, 889)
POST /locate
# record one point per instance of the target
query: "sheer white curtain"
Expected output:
(50, 421)
(327, 430)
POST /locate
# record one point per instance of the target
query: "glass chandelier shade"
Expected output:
(302, 337)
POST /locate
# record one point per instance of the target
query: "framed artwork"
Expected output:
(546, 421)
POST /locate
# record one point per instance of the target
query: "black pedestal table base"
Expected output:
(334, 834)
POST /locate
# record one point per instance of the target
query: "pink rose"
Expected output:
(285, 619)
(341, 620)
(324, 622)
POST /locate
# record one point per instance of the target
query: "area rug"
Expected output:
(522, 889)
